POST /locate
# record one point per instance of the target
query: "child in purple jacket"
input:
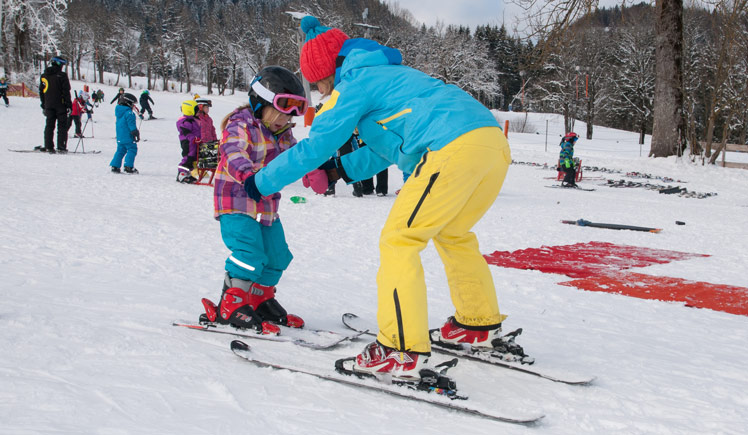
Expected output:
(253, 135)
(189, 139)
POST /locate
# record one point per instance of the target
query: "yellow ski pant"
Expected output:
(445, 196)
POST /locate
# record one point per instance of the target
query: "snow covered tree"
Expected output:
(28, 27)
(634, 79)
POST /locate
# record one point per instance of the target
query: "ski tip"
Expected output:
(349, 316)
(238, 345)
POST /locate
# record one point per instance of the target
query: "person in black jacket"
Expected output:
(116, 97)
(145, 97)
(54, 93)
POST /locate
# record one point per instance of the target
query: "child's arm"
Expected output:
(236, 144)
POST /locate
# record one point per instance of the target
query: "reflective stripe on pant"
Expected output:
(448, 192)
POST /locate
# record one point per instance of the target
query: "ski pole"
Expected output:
(80, 139)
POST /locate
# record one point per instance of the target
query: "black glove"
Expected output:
(251, 188)
(330, 164)
(135, 135)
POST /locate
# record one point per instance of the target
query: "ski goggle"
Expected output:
(289, 104)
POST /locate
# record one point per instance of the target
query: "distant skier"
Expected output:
(79, 108)
(54, 93)
(566, 161)
(128, 135)
(116, 97)
(4, 90)
(188, 127)
(88, 105)
(98, 97)
(145, 98)
(253, 135)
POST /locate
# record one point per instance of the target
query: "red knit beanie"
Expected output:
(320, 49)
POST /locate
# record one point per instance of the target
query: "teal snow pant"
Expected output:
(259, 253)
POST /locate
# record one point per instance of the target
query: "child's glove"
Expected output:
(317, 180)
(251, 188)
(135, 135)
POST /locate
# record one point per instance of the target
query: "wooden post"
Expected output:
(506, 128)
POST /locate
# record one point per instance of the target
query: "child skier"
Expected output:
(458, 158)
(254, 135)
(207, 130)
(79, 107)
(4, 90)
(119, 94)
(566, 159)
(188, 127)
(127, 135)
(145, 98)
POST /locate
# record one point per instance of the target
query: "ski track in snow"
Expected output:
(94, 267)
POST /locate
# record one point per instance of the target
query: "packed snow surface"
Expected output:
(95, 266)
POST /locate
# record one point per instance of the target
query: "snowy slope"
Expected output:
(94, 267)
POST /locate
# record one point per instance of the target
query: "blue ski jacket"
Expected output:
(400, 112)
(125, 123)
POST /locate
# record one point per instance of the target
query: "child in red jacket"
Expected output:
(79, 108)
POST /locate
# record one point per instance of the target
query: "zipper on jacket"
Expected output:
(426, 191)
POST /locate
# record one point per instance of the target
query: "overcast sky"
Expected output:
(469, 12)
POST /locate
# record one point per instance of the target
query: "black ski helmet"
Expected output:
(277, 80)
(127, 99)
(58, 61)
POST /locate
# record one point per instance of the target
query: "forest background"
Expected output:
(601, 69)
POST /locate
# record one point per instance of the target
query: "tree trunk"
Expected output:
(668, 98)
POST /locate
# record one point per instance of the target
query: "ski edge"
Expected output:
(241, 349)
(576, 382)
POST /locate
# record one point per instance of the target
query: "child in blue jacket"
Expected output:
(127, 135)
(566, 162)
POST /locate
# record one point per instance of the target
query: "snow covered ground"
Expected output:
(95, 266)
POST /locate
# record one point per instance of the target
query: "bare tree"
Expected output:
(668, 129)
(730, 15)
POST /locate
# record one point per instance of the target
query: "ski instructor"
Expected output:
(458, 157)
(54, 93)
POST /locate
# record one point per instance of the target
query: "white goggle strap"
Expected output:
(264, 93)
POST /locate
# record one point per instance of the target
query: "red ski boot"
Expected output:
(454, 333)
(379, 360)
(262, 300)
(234, 310)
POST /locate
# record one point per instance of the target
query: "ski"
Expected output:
(56, 153)
(312, 338)
(243, 351)
(355, 323)
(558, 186)
(586, 223)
